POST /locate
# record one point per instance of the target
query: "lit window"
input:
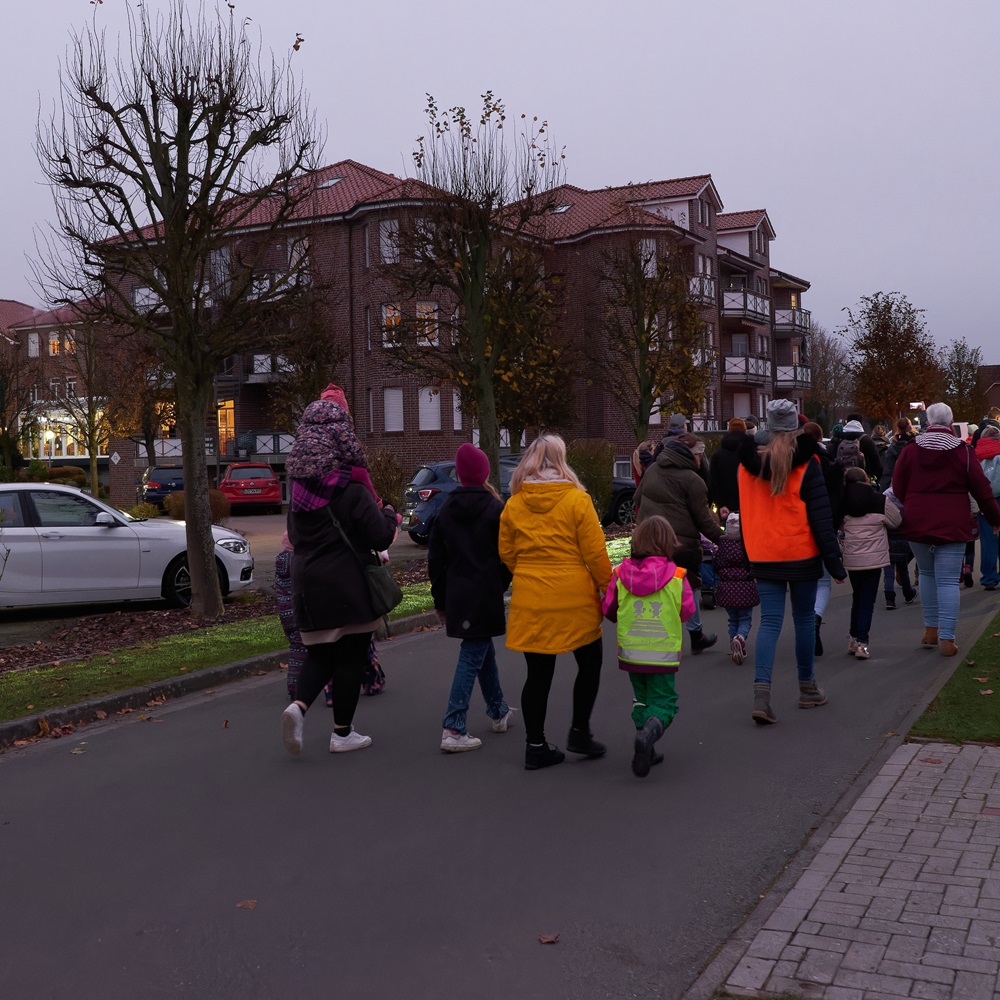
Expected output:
(427, 324)
(54, 344)
(69, 343)
(391, 318)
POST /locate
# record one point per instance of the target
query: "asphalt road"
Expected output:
(401, 872)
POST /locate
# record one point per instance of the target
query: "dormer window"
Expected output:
(559, 209)
(331, 182)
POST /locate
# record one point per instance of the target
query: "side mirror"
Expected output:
(106, 519)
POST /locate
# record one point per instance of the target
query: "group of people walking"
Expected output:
(790, 516)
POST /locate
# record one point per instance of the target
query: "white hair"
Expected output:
(939, 415)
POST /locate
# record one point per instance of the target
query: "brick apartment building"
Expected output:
(756, 331)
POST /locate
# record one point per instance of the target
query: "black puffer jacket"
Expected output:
(468, 579)
(328, 583)
(723, 488)
(899, 442)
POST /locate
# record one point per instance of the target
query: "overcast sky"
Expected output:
(868, 129)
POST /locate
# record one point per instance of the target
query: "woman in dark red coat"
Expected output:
(933, 478)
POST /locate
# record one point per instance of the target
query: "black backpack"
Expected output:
(849, 455)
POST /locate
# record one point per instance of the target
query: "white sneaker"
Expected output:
(292, 724)
(861, 651)
(502, 725)
(458, 742)
(352, 741)
(852, 646)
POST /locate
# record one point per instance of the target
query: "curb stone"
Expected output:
(27, 727)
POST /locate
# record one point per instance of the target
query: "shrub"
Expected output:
(173, 505)
(144, 510)
(37, 471)
(593, 460)
(386, 473)
(71, 474)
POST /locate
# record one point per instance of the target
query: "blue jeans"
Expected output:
(693, 624)
(864, 591)
(823, 585)
(477, 658)
(940, 577)
(772, 614)
(740, 620)
(707, 571)
(988, 553)
(909, 592)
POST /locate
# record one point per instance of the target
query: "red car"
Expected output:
(247, 483)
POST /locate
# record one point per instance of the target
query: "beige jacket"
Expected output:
(865, 544)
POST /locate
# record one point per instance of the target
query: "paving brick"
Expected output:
(795, 987)
(985, 932)
(821, 942)
(750, 974)
(961, 895)
(947, 941)
(819, 966)
(834, 917)
(842, 993)
(935, 920)
(894, 927)
(905, 949)
(973, 986)
(930, 991)
(924, 902)
(791, 953)
(980, 951)
(927, 973)
(863, 957)
(862, 899)
(872, 982)
(886, 909)
(960, 963)
(786, 918)
(809, 927)
(769, 944)
(854, 934)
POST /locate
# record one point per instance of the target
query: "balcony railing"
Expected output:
(267, 367)
(747, 368)
(742, 303)
(702, 288)
(792, 321)
(259, 446)
(792, 377)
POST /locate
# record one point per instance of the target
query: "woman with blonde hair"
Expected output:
(788, 534)
(552, 542)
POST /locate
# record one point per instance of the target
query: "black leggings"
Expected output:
(343, 664)
(535, 693)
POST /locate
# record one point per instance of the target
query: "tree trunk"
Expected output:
(489, 433)
(194, 394)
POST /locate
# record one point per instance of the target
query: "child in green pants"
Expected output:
(649, 598)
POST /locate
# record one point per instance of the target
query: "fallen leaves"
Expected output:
(930, 760)
(980, 680)
(100, 714)
(987, 691)
(225, 724)
(548, 938)
(247, 904)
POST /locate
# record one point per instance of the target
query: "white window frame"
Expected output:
(429, 409)
(55, 388)
(34, 340)
(55, 345)
(392, 413)
(388, 241)
(456, 408)
(71, 388)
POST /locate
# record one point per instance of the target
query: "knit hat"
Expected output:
(736, 424)
(733, 523)
(325, 441)
(472, 465)
(853, 427)
(751, 421)
(803, 420)
(334, 394)
(782, 415)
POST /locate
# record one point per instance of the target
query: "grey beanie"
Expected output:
(782, 415)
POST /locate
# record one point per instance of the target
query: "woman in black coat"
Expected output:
(468, 582)
(335, 521)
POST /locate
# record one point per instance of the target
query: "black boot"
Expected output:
(642, 759)
(819, 641)
(700, 641)
(544, 755)
(580, 741)
(890, 600)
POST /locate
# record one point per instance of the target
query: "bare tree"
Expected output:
(176, 163)
(474, 246)
(831, 392)
(656, 353)
(892, 358)
(960, 364)
(19, 375)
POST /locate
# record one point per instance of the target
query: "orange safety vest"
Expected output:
(775, 528)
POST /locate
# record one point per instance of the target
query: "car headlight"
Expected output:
(237, 545)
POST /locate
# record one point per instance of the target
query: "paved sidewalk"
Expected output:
(903, 900)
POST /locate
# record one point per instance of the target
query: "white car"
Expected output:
(61, 546)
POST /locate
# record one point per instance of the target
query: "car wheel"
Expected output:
(625, 511)
(420, 539)
(177, 583)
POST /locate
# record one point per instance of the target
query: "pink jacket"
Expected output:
(643, 577)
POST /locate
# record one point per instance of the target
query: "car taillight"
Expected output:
(153, 486)
(426, 494)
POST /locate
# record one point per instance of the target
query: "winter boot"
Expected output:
(930, 636)
(810, 696)
(762, 713)
(642, 759)
(708, 599)
(819, 641)
(542, 755)
(582, 742)
(700, 641)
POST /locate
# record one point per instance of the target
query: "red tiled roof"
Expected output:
(12, 313)
(50, 317)
(740, 220)
(618, 206)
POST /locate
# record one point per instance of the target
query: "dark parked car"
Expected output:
(158, 482)
(432, 483)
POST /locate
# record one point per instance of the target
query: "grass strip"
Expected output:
(968, 706)
(25, 692)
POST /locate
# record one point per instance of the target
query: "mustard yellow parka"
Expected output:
(551, 540)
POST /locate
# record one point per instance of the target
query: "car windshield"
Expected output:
(250, 472)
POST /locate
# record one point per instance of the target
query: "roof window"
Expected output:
(331, 182)
(559, 209)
